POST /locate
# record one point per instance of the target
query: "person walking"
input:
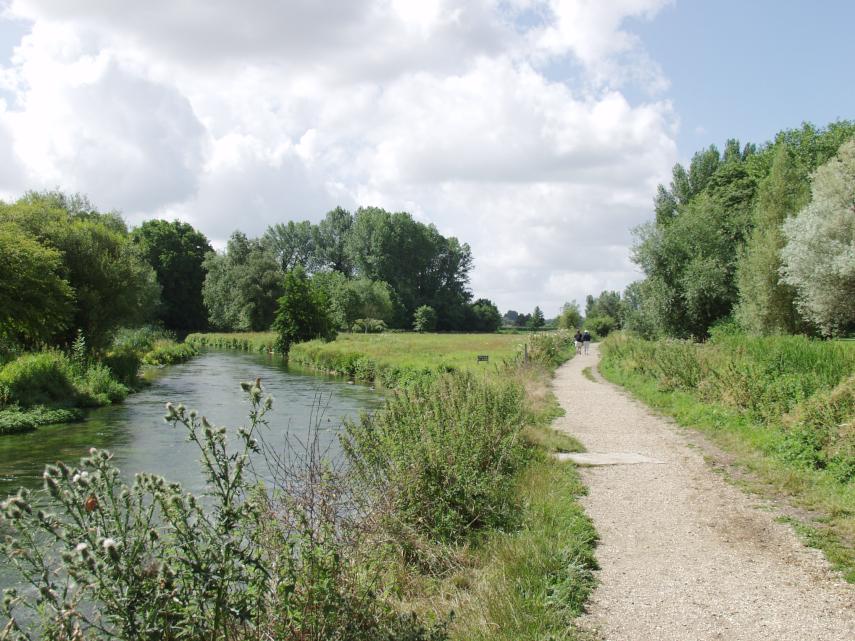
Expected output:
(577, 339)
(586, 339)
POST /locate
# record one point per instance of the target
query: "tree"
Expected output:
(177, 252)
(242, 285)
(302, 313)
(331, 241)
(112, 283)
(510, 317)
(352, 299)
(485, 316)
(36, 303)
(293, 244)
(819, 256)
(424, 319)
(766, 303)
(600, 325)
(537, 320)
(570, 317)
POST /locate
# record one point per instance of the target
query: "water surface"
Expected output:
(135, 432)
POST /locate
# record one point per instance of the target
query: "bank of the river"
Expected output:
(53, 387)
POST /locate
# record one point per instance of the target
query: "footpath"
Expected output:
(685, 556)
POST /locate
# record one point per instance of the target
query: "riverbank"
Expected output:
(54, 387)
(781, 410)
(523, 578)
(472, 525)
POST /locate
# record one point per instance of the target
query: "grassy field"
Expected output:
(385, 358)
(782, 407)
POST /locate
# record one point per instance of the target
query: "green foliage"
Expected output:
(421, 266)
(600, 326)
(819, 257)
(43, 378)
(14, 420)
(570, 317)
(242, 285)
(537, 320)
(800, 388)
(424, 319)
(177, 252)
(445, 453)
(716, 239)
(766, 304)
(111, 283)
(36, 303)
(302, 313)
(368, 325)
(167, 352)
(150, 561)
(351, 299)
(485, 316)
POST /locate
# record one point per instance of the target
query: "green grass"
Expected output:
(387, 359)
(14, 420)
(589, 374)
(532, 583)
(782, 407)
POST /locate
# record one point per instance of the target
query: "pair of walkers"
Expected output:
(582, 340)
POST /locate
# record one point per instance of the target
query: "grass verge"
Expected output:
(787, 431)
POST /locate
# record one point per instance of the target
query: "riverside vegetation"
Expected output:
(784, 406)
(51, 386)
(446, 505)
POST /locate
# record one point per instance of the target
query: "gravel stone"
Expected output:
(685, 556)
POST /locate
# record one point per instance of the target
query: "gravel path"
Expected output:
(685, 556)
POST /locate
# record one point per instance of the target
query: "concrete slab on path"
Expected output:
(605, 458)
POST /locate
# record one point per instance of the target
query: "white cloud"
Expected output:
(243, 117)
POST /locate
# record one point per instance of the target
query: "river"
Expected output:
(135, 432)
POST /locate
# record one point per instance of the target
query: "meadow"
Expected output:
(783, 407)
(387, 358)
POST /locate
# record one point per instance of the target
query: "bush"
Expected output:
(167, 352)
(424, 319)
(444, 453)
(98, 387)
(43, 378)
(600, 326)
(124, 361)
(14, 420)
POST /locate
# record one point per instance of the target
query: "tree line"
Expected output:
(66, 267)
(757, 239)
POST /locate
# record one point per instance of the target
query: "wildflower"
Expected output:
(91, 503)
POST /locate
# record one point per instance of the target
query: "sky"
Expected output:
(534, 130)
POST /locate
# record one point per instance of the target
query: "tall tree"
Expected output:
(819, 257)
(177, 252)
(766, 303)
(242, 285)
(331, 241)
(293, 244)
(302, 312)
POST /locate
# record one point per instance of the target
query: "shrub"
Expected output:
(124, 361)
(98, 387)
(443, 452)
(167, 352)
(14, 420)
(424, 319)
(42, 378)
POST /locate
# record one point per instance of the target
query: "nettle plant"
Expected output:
(104, 559)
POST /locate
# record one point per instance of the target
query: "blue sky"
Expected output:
(538, 140)
(749, 68)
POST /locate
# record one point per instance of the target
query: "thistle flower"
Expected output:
(112, 549)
